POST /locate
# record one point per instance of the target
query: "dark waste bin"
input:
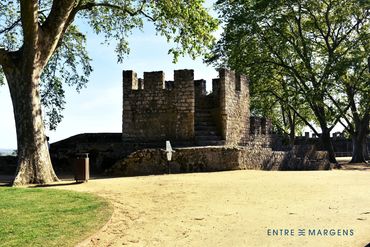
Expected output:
(82, 167)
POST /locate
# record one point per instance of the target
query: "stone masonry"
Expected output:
(234, 107)
(155, 110)
(210, 131)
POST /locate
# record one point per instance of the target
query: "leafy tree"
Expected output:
(312, 43)
(41, 48)
(354, 91)
(273, 97)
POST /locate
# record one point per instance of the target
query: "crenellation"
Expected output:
(234, 106)
(154, 80)
(154, 113)
(200, 88)
(169, 85)
(175, 109)
(184, 78)
(130, 80)
(140, 84)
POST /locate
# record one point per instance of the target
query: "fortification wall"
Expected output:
(234, 107)
(8, 164)
(210, 159)
(260, 132)
(155, 110)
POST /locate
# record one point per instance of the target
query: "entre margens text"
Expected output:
(311, 232)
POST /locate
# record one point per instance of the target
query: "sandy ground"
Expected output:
(235, 208)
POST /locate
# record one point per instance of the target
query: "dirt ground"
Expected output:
(237, 208)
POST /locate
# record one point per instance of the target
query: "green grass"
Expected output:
(48, 217)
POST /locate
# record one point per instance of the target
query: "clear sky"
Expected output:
(98, 108)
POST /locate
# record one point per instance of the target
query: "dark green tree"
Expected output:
(314, 44)
(275, 99)
(41, 48)
(353, 91)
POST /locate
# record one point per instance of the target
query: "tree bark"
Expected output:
(292, 125)
(22, 69)
(365, 149)
(34, 164)
(359, 140)
(328, 145)
(358, 150)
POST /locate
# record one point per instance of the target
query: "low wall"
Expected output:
(209, 159)
(342, 146)
(8, 164)
(104, 149)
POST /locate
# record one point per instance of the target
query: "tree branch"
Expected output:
(345, 126)
(29, 19)
(296, 112)
(91, 5)
(4, 56)
(341, 111)
(55, 26)
(16, 23)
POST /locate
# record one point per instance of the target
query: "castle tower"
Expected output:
(234, 107)
(153, 112)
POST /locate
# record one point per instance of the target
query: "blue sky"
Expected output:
(98, 108)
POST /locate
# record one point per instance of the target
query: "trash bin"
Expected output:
(82, 167)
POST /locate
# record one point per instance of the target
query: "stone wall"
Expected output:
(260, 126)
(234, 107)
(8, 165)
(155, 110)
(342, 146)
(260, 133)
(210, 159)
(104, 150)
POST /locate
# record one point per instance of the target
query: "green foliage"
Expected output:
(310, 45)
(186, 23)
(70, 65)
(41, 217)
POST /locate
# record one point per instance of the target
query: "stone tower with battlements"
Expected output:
(181, 111)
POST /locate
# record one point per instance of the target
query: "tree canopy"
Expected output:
(42, 49)
(186, 23)
(312, 46)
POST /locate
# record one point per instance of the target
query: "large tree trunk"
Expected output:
(328, 145)
(34, 164)
(292, 125)
(366, 150)
(359, 139)
(358, 150)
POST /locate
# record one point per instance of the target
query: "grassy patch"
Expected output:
(47, 217)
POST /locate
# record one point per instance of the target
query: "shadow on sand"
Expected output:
(356, 167)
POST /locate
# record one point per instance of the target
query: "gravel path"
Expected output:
(235, 209)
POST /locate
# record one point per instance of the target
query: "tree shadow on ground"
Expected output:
(355, 167)
(57, 184)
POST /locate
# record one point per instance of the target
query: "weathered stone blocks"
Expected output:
(210, 159)
(157, 112)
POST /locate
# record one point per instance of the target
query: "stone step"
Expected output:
(208, 138)
(210, 143)
(203, 113)
(204, 123)
(208, 107)
(205, 132)
(206, 120)
(205, 128)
